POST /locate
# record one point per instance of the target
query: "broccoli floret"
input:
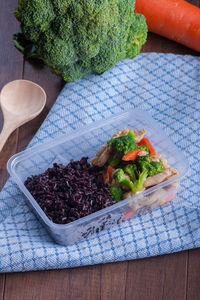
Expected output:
(144, 147)
(123, 144)
(156, 167)
(116, 192)
(120, 177)
(131, 170)
(153, 168)
(79, 37)
(142, 159)
(137, 36)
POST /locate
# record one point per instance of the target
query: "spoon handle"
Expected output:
(4, 135)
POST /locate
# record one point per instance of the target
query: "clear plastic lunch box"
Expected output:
(86, 141)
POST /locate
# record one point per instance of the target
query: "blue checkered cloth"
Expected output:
(167, 86)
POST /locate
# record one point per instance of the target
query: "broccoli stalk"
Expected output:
(116, 192)
(131, 134)
(141, 179)
(79, 37)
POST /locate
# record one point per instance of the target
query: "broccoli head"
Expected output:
(123, 144)
(156, 167)
(131, 170)
(144, 147)
(116, 192)
(120, 177)
(79, 37)
(144, 163)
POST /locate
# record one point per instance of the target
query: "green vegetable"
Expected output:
(141, 179)
(131, 170)
(123, 144)
(120, 177)
(153, 168)
(156, 167)
(144, 147)
(116, 192)
(131, 134)
(115, 160)
(135, 186)
(79, 37)
(142, 159)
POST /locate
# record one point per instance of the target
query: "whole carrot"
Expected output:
(177, 20)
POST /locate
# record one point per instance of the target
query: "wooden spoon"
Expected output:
(21, 101)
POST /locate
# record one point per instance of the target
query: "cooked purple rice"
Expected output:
(68, 193)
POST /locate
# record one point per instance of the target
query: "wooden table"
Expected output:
(175, 276)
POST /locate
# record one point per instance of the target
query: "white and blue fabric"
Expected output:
(168, 87)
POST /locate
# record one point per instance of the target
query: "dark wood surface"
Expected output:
(175, 276)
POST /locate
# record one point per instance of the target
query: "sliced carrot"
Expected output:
(128, 215)
(146, 141)
(177, 20)
(108, 174)
(131, 155)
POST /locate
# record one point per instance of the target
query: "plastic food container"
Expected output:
(85, 142)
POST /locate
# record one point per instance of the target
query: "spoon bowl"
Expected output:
(21, 101)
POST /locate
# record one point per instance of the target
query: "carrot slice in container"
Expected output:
(131, 155)
(177, 20)
(128, 215)
(108, 174)
(146, 141)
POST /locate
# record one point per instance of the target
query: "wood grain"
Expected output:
(52, 84)
(2, 285)
(193, 284)
(113, 281)
(156, 278)
(11, 66)
(51, 285)
(81, 283)
(84, 283)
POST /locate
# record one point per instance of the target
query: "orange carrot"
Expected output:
(108, 174)
(128, 215)
(177, 20)
(146, 141)
(131, 155)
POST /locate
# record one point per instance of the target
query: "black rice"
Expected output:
(67, 193)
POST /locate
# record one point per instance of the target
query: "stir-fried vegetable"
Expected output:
(123, 144)
(131, 170)
(131, 155)
(108, 175)
(146, 142)
(120, 177)
(129, 163)
(116, 192)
